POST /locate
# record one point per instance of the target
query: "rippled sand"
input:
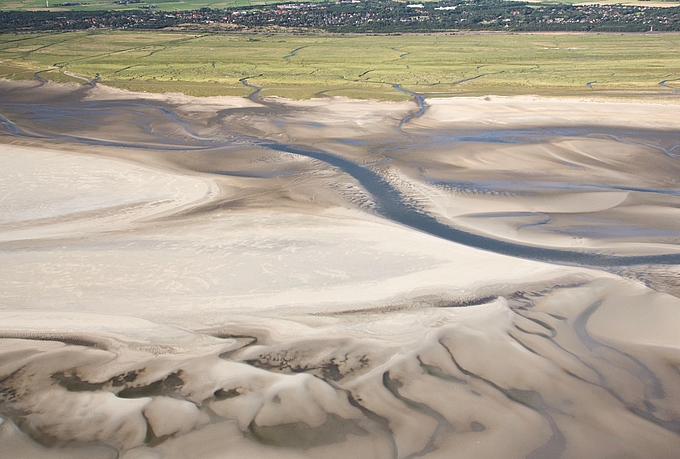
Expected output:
(176, 281)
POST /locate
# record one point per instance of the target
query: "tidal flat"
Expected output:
(226, 277)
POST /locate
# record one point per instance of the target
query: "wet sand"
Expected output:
(218, 278)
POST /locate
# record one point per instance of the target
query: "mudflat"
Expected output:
(224, 277)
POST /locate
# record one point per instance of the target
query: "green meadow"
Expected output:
(353, 65)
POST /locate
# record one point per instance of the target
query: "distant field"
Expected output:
(654, 3)
(354, 66)
(163, 5)
(183, 5)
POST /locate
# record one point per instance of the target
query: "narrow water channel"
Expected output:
(390, 203)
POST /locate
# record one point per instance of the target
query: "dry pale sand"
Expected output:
(200, 278)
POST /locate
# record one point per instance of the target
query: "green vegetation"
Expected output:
(354, 66)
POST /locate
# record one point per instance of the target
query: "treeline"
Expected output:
(369, 16)
(19, 21)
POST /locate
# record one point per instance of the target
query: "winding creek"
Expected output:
(390, 203)
(418, 98)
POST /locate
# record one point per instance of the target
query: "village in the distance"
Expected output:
(358, 16)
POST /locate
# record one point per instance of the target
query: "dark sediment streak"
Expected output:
(443, 428)
(531, 399)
